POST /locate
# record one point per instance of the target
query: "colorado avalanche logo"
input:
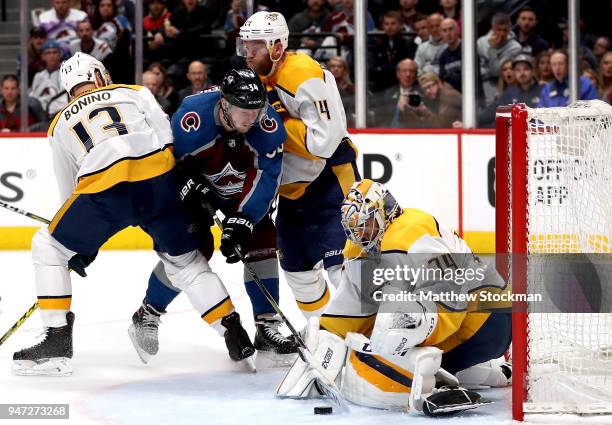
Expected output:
(269, 125)
(190, 121)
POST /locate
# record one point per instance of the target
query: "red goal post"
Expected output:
(554, 198)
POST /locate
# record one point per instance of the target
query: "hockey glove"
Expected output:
(194, 189)
(79, 263)
(237, 229)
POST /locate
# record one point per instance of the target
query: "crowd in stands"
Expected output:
(414, 55)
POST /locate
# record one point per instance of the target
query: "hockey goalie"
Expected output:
(386, 353)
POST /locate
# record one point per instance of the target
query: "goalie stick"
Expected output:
(323, 383)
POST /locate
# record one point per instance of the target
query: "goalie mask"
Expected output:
(367, 210)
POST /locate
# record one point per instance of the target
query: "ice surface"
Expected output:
(190, 381)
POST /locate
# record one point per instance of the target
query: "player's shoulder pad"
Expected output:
(269, 134)
(75, 100)
(193, 124)
(409, 227)
(297, 69)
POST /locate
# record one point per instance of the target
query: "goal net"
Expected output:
(554, 218)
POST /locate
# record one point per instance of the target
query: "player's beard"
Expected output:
(263, 67)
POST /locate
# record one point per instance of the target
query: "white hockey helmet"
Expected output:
(82, 68)
(266, 26)
(366, 212)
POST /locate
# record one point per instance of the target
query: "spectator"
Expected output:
(60, 22)
(189, 22)
(543, 70)
(197, 74)
(166, 89)
(46, 86)
(428, 53)
(114, 29)
(310, 20)
(154, 27)
(493, 49)
(525, 90)
(38, 36)
(587, 58)
(410, 14)
(109, 26)
(605, 67)
(339, 69)
(235, 17)
(526, 22)
(341, 23)
(421, 29)
(87, 43)
(10, 112)
(441, 105)
(153, 83)
(593, 77)
(388, 50)
(451, 9)
(506, 77)
(601, 46)
(392, 110)
(556, 93)
(127, 9)
(450, 58)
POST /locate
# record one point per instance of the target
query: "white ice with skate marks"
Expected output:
(190, 381)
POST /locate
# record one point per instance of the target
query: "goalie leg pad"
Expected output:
(329, 351)
(493, 373)
(386, 381)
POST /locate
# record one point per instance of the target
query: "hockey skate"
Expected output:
(143, 331)
(238, 343)
(51, 356)
(273, 348)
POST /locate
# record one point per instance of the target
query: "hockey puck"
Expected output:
(323, 410)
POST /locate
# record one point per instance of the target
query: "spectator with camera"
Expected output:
(441, 104)
(392, 107)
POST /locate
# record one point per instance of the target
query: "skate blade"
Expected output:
(273, 360)
(55, 366)
(247, 365)
(144, 356)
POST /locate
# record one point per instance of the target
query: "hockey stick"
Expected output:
(18, 323)
(32, 309)
(24, 212)
(326, 385)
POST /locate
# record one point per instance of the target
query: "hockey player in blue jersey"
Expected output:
(228, 144)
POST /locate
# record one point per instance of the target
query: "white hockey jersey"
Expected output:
(109, 135)
(99, 51)
(46, 87)
(316, 123)
(61, 29)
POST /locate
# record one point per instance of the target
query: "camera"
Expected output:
(414, 100)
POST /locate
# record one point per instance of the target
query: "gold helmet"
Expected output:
(367, 210)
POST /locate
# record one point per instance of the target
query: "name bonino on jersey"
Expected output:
(454, 297)
(84, 101)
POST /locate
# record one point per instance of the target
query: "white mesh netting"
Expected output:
(570, 212)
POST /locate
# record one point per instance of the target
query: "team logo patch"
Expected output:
(268, 125)
(190, 121)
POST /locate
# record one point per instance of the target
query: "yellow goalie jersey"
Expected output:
(306, 96)
(415, 243)
(109, 135)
